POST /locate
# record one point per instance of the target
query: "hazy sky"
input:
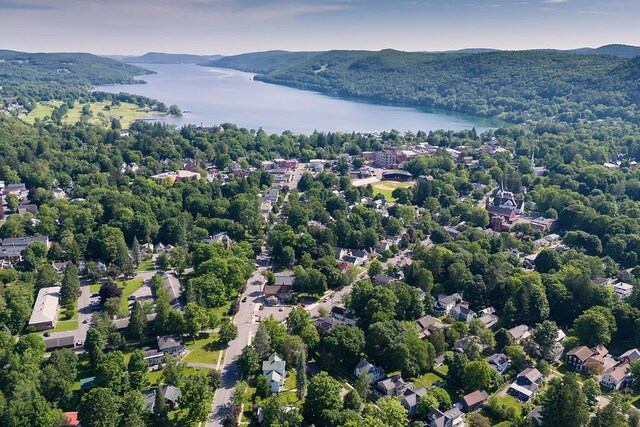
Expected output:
(234, 26)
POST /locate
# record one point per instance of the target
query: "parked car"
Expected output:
(131, 297)
(244, 299)
(85, 321)
(95, 295)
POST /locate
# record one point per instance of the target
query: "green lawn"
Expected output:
(146, 265)
(386, 188)
(128, 288)
(62, 314)
(67, 325)
(153, 378)
(444, 369)
(204, 350)
(221, 312)
(94, 287)
(426, 380)
(125, 112)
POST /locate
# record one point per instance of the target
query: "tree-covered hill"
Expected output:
(45, 76)
(512, 86)
(168, 58)
(262, 62)
(619, 50)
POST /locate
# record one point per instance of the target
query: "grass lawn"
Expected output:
(125, 112)
(128, 288)
(153, 378)
(444, 369)
(94, 287)
(426, 380)
(222, 311)
(508, 401)
(386, 188)
(289, 398)
(146, 265)
(62, 314)
(204, 350)
(66, 325)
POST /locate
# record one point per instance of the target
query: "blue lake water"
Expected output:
(212, 96)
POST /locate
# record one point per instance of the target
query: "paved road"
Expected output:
(247, 327)
(314, 309)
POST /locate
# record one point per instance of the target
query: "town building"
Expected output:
(45, 310)
(170, 345)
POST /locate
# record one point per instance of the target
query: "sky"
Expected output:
(131, 27)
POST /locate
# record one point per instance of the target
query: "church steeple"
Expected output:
(533, 159)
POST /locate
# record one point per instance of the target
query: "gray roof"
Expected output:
(171, 393)
(285, 278)
(531, 374)
(498, 359)
(168, 342)
(274, 364)
(46, 307)
(25, 241)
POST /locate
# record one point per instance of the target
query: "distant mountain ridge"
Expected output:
(513, 86)
(261, 62)
(619, 50)
(166, 58)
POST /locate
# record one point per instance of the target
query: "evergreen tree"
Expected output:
(135, 251)
(137, 328)
(137, 369)
(301, 374)
(160, 409)
(70, 288)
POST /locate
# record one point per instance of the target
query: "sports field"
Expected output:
(101, 113)
(386, 188)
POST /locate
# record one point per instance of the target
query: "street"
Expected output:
(247, 328)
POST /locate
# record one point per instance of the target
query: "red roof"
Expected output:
(72, 419)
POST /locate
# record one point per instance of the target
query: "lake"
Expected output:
(212, 96)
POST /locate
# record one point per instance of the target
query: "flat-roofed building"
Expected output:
(45, 310)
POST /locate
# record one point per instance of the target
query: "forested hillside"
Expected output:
(47, 76)
(168, 58)
(262, 62)
(512, 86)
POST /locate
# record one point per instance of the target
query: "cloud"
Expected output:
(600, 12)
(23, 6)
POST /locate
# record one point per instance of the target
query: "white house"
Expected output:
(364, 367)
(616, 377)
(500, 362)
(274, 368)
(446, 303)
(463, 313)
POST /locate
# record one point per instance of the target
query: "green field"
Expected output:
(67, 325)
(386, 188)
(128, 288)
(204, 350)
(146, 265)
(125, 112)
(426, 380)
